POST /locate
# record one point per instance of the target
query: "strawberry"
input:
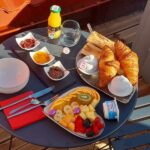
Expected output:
(79, 129)
(96, 130)
(100, 125)
(79, 120)
(97, 122)
(79, 125)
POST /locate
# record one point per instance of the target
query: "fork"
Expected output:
(35, 102)
(45, 103)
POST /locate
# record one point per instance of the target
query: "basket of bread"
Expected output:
(110, 66)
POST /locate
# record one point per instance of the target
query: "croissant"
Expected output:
(128, 61)
(108, 66)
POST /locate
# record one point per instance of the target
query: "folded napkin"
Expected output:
(25, 118)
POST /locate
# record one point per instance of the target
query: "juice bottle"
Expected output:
(54, 22)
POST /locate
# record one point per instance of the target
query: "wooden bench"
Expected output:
(136, 132)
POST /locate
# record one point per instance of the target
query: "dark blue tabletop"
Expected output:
(45, 132)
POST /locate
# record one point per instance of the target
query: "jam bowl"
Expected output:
(42, 56)
(56, 71)
(27, 42)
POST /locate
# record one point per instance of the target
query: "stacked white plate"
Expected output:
(14, 75)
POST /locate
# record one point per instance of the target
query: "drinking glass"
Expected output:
(70, 33)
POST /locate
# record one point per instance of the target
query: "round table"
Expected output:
(45, 132)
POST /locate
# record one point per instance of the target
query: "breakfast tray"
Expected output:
(92, 80)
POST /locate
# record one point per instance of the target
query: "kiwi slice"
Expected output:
(84, 98)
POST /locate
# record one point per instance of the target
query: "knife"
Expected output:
(23, 111)
(35, 95)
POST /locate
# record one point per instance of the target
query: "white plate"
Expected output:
(14, 75)
(27, 36)
(58, 64)
(44, 49)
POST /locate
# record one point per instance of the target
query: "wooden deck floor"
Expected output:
(125, 28)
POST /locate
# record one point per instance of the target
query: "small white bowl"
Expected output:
(58, 64)
(89, 65)
(44, 49)
(27, 36)
(120, 86)
(14, 75)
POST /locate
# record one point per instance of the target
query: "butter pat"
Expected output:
(111, 110)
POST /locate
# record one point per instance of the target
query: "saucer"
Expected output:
(88, 65)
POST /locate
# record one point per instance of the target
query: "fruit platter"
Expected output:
(109, 66)
(75, 112)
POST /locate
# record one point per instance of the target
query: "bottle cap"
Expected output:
(55, 8)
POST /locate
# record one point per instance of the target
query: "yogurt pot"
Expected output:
(111, 110)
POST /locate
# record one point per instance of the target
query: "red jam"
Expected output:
(56, 72)
(28, 43)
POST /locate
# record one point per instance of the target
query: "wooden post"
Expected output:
(142, 44)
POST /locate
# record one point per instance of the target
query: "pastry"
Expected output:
(100, 41)
(91, 48)
(108, 67)
(128, 60)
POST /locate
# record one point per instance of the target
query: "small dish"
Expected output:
(120, 86)
(32, 42)
(45, 54)
(88, 65)
(57, 64)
